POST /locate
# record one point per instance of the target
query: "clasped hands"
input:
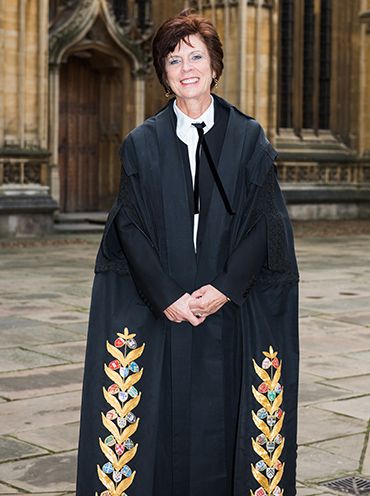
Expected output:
(196, 307)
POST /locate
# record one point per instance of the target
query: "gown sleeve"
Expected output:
(242, 267)
(263, 247)
(156, 288)
(128, 237)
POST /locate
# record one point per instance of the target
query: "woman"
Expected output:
(190, 383)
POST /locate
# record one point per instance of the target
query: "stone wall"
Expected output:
(25, 202)
(325, 172)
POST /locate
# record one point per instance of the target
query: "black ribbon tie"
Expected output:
(202, 144)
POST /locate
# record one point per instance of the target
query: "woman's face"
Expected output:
(188, 69)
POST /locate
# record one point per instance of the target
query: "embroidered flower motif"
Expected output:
(269, 419)
(116, 475)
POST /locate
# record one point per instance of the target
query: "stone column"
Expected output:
(139, 98)
(2, 64)
(26, 207)
(54, 129)
(364, 77)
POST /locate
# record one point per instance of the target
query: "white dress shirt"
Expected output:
(188, 134)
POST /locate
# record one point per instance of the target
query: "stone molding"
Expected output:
(330, 174)
(365, 19)
(76, 24)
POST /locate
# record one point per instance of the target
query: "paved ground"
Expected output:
(45, 289)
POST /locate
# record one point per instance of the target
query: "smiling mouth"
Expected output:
(189, 80)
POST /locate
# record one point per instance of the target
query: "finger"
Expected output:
(192, 319)
(198, 293)
(214, 308)
(201, 309)
(199, 314)
(199, 321)
(196, 308)
(198, 303)
(173, 316)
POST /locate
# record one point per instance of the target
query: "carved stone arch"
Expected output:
(70, 27)
(73, 26)
(90, 31)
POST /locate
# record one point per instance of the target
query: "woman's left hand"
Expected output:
(207, 300)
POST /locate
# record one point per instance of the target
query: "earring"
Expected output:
(215, 81)
(167, 93)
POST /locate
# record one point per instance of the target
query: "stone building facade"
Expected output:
(76, 77)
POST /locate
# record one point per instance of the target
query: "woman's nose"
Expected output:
(186, 65)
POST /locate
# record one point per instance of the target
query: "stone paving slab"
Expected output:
(49, 473)
(13, 449)
(315, 464)
(4, 490)
(358, 407)
(47, 288)
(339, 365)
(347, 446)
(307, 312)
(7, 489)
(311, 290)
(320, 425)
(58, 315)
(31, 296)
(359, 384)
(56, 438)
(32, 383)
(21, 359)
(360, 318)
(314, 392)
(47, 312)
(338, 305)
(24, 415)
(81, 303)
(33, 333)
(77, 328)
(314, 491)
(37, 494)
(324, 324)
(366, 460)
(328, 344)
(71, 351)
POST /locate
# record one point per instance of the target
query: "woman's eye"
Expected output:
(173, 61)
(197, 57)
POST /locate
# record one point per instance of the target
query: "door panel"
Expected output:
(78, 136)
(110, 136)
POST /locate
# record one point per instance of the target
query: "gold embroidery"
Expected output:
(120, 421)
(269, 420)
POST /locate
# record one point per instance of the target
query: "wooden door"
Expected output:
(110, 135)
(78, 136)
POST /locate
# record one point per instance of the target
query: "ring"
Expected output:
(198, 314)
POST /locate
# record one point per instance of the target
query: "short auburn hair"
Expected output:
(179, 28)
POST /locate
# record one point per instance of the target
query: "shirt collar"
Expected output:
(184, 128)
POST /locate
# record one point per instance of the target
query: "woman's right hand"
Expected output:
(179, 311)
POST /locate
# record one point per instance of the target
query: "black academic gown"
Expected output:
(205, 410)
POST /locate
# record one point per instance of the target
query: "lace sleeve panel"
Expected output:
(110, 255)
(276, 238)
(279, 266)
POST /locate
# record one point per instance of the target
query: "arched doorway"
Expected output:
(90, 122)
(98, 64)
